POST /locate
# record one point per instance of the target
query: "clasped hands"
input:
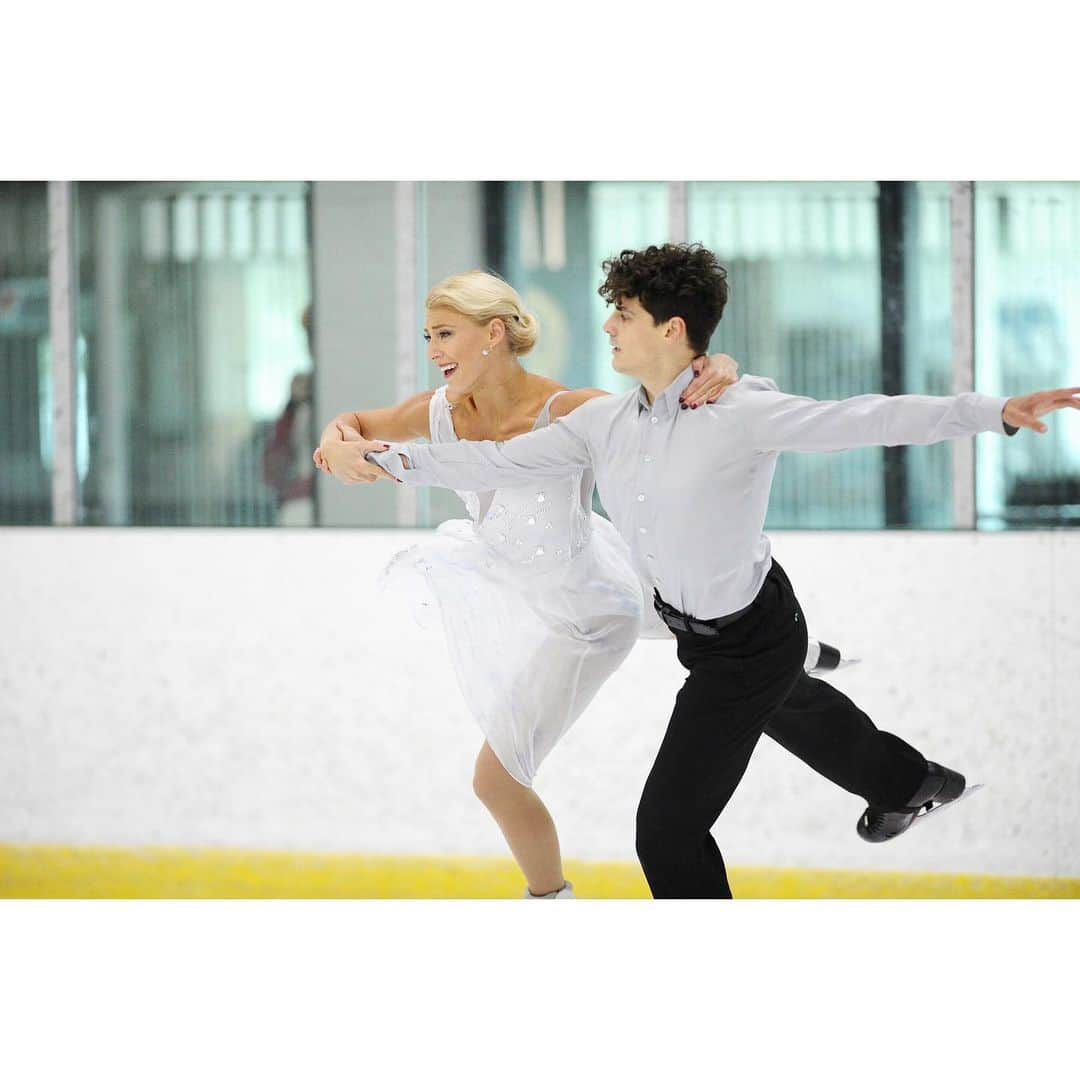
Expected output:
(344, 458)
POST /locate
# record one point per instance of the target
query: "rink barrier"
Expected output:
(51, 871)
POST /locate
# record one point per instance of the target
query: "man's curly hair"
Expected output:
(675, 279)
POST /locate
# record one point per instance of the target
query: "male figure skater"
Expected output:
(688, 490)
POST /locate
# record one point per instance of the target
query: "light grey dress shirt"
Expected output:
(688, 489)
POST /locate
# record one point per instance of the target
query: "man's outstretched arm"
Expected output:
(557, 450)
(777, 421)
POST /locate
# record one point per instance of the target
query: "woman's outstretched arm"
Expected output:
(397, 423)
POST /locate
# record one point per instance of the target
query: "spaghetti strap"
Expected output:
(440, 426)
(545, 412)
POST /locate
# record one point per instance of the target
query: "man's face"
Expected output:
(636, 341)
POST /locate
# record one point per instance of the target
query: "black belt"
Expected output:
(678, 620)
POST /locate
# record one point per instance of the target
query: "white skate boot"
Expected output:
(565, 893)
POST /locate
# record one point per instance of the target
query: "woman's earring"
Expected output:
(483, 352)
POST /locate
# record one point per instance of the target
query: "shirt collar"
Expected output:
(668, 402)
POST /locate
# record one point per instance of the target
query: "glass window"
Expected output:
(25, 375)
(196, 386)
(558, 233)
(1027, 337)
(808, 265)
(199, 362)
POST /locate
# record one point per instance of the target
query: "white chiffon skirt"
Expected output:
(529, 648)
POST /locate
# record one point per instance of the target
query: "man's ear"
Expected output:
(675, 329)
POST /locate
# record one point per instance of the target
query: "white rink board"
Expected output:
(244, 688)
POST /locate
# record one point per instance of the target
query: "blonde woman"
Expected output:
(537, 595)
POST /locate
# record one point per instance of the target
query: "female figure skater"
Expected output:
(535, 577)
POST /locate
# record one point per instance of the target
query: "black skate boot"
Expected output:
(820, 656)
(941, 786)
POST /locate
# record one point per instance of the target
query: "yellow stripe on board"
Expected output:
(47, 871)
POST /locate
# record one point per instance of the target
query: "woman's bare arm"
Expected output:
(567, 402)
(395, 423)
(712, 376)
(402, 422)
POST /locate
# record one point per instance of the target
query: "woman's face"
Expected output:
(455, 344)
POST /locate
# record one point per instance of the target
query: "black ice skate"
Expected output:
(823, 657)
(941, 787)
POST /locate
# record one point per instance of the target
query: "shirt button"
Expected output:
(654, 420)
(648, 457)
(641, 529)
(641, 498)
(650, 556)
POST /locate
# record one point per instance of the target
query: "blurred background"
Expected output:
(194, 653)
(217, 326)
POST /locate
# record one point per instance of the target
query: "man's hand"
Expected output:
(1025, 411)
(712, 376)
(344, 458)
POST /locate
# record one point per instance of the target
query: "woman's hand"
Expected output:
(712, 376)
(320, 461)
(344, 458)
(335, 432)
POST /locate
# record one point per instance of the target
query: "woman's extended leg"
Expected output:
(524, 820)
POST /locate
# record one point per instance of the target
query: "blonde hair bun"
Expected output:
(481, 296)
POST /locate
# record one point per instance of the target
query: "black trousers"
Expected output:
(746, 681)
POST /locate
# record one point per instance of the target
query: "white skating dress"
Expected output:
(538, 600)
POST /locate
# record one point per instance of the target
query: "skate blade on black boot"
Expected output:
(942, 787)
(926, 811)
(821, 656)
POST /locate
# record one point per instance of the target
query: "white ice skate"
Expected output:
(565, 893)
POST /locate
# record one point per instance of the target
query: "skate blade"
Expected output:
(969, 790)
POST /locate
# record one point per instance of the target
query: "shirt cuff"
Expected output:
(989, 412)
(390, 461)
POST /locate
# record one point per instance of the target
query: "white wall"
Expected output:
(248, 688)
